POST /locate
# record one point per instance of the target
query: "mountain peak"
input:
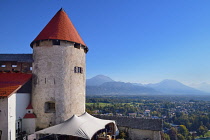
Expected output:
(172, 86)
(98, 80)
(170, 82)
(102, 77)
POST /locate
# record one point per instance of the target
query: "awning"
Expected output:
(84, 126)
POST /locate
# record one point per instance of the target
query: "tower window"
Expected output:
(37, 43)
(76, 45)
(56, 42)
(78, 70)
(49, 107)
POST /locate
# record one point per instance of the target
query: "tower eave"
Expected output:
(85, 47)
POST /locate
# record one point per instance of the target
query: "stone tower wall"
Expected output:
(54, 80)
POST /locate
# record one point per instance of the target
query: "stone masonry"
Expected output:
(137, 128)
(54, 80)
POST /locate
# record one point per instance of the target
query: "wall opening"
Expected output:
(3, 66)
(76, 45)
(37, 43)
(56, 42)
(49, 107)
(78, 70)
(13, 64)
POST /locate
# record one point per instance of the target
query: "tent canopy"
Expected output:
(84, 126)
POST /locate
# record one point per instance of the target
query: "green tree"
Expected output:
(183, 130)
(173, 133)
(180, 137)
(202, 130)
(189, 138)
(167, 125)
(166, 136)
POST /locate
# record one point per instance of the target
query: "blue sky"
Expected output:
(142, 41)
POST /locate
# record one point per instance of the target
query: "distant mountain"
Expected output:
(202, 86)
(101, 85)
(113, 88)
(174, 87)
(137, 84)
(98, 80)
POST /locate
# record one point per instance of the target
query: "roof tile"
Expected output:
(60, 27)
(28, 116)
(11, 82)
(16, 57)
(29, 106)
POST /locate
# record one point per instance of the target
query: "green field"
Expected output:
(100, 104)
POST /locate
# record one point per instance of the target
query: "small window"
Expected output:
(76, 45)
(78, 70)
(37, 43)
(30, 68)
(13, 64)
(56, 42)
(49, 107)
(86, 49)
(75, 69)
(3, 66)
(29, 111)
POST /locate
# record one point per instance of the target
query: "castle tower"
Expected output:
(58, 90)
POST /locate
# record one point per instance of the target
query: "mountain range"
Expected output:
(201, 86)
(103, 85)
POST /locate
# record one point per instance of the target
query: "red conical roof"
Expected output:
(29, 116)
(60, 27)
(29, 106)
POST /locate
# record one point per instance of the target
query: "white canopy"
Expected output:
(84, 126)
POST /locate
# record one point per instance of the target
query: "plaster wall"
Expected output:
(12, 108)
(138, 134)
(54, 80)
(4, 118)
(29, 125)
(12, 117)
(22, 101)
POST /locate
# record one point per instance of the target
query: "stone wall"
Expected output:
(137, 128)
(54, 80)
(138, 134)
(135, 123)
